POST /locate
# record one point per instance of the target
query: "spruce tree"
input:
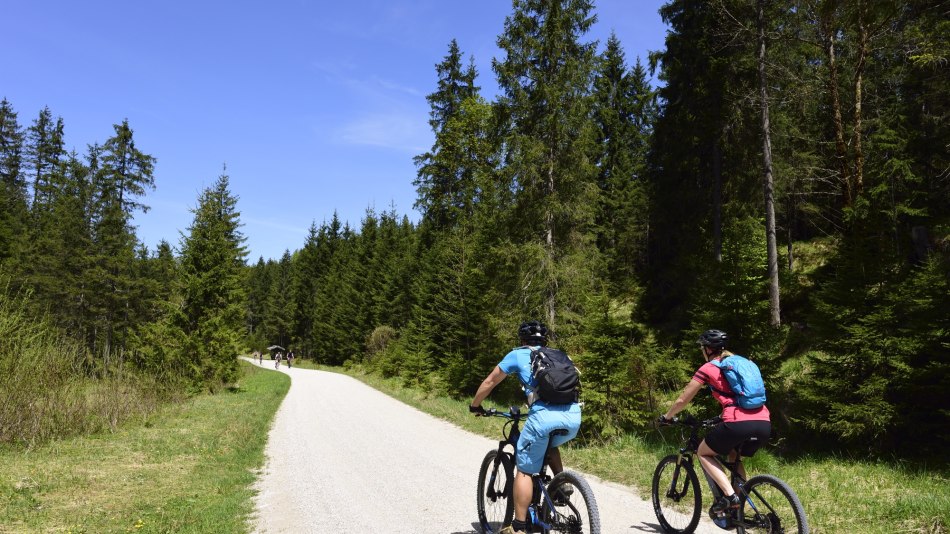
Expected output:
(124, 174)
(442, 176)
(280, 304)
(213, 287)
(13, 189)
(44, 155)
(545, 78)
(624, 111)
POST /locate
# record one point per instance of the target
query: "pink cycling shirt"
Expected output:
(710, 375)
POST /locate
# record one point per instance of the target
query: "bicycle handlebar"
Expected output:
(513, 413)
(692, 422)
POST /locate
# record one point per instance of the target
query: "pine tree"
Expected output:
(13, 190)
(257, 289)
(278, 321)
(44, 155)
(700, 156)
(213, 287)
(545, 79)
(126, 173)
(305, 275)
(624, 111)
(443, 177)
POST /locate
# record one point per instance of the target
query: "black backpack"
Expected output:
(557, 378)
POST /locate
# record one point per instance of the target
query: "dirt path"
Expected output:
(345, 458)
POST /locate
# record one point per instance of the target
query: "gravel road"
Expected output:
(344, 458)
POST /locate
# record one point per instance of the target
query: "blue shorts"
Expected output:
(542, 420)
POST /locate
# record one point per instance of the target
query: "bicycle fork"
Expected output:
(492, 493)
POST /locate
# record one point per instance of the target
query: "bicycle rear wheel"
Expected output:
(575, 509)
(495, 479)
(771, 506)
(677, 498)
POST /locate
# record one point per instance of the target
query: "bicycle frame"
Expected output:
(539, 481)
(690, 448)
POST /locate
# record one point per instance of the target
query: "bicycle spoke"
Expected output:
(495, 508)
(676, 496)
(570, 506)
(772, 507)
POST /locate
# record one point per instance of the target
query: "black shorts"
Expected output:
(725, 437)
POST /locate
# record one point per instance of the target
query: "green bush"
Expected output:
(45, 392)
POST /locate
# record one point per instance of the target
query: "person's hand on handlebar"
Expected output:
(477, 410)
(663, 421)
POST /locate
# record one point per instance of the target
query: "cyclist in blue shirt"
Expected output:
(543, 418)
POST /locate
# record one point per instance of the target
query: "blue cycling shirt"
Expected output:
(518, 361)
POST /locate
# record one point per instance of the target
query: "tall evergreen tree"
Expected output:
(213, 287)
(44, 155)
(125, 174)
(278, 321)
(442, 177)
(624, 110)
(700, 159)
(13, 188)
(545, 79)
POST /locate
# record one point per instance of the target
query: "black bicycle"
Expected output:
(767, 504)
(562, 503)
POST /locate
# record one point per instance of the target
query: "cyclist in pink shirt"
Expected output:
(750, 427)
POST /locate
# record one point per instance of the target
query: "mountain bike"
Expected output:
(562, 503)
(767, 504)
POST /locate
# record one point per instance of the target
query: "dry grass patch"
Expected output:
(189, 468)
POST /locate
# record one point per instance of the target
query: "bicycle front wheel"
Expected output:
(677, 499)
(771, 506)
(495, 480)
(574, 508)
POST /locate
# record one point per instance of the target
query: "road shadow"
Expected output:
(642, 527)
(646, 527)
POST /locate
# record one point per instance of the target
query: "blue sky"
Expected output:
(314, 106)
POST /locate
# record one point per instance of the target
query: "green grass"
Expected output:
(189, 468)
(840, 495)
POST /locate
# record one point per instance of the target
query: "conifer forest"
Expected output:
(788, 182)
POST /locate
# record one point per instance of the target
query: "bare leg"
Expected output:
(740, 467)
(522, 494)
(554, 461)
(707, 457)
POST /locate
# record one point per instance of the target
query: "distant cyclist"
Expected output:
(543, 418)
(290, 359)
(277, 358)
(752, 427)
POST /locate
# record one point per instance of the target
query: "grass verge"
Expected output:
(840, 495)
(188, 468)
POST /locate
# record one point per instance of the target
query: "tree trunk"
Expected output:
(717, 198)
(841, 151)
(858, 185)
(775, 318)
(549, 231)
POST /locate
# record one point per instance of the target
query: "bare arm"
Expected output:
(685, 397)
(493, 379)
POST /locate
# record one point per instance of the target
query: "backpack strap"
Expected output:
(533, 351)
(730, 393)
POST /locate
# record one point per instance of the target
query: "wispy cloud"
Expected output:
(391, 130)
(343, 72)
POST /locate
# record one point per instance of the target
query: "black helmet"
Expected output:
(533, 331)
(713, 338)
